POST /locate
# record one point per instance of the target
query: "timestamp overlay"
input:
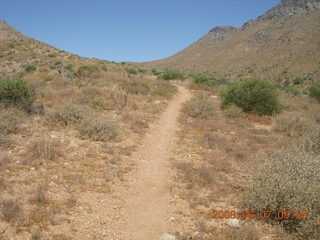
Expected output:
(249, 214)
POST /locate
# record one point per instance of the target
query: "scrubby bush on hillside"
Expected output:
(315, 92)
(95, 98)
(253, 96)
(10, 119)
(164, 88)
(155, 72)
(131, 70)
(201, 106)
(233, 112)
(16, 92)
(30, 68)
(289, 181)
(201, 79)
(136, 87)
(88, 122)
(169, 75)
(89, 71)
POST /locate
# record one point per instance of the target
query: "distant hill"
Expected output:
(280, 45)
(18, 51)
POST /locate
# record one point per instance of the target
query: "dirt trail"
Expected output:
(147, 198)
(140, 207)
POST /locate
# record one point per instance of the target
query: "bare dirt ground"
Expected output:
(140, 207)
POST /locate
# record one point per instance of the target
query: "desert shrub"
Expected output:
(164, 88)
(69, 67)
(298, 81)
(201, 79)
(201, 106)
(88, 122)
(292, 91)
(311, 142)
(253, 95)
(293, 125)
(90, 71)
(136, 87)
(69, 114)
(51, 55)
(155, 72)
(98, 128)
(30, 68)
(119, 97)
(10, 119)
(45, 148)
(142, 70)
(11, 210)
(233, 112)
(93, 97)
(131, 70)
(288, 181)
(16, 92)
(314, 92)
(170, 75)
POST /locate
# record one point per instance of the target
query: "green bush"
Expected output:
(253, 96)
(142, 70)
(69, 67)
(292, 91)
(201, 79)
(16, 92)
(51, 55)
(201, 106)
(30, 68)
(131, 70)
(314, 91)
(298, 81)
(155, 72)
(169, 75)
(89, 71)
(288, 181)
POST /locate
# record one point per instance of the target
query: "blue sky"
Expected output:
(126, 30)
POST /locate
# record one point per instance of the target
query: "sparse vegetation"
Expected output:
(314, 92)
(170, 75)
(88, 122)
(253, 96)
(136, 87)
(89, 71)
(131, 70)
(233, 112)
(202, 106)
(288, 181)
(30, 68)
(17, 93)
(10, 120)
(93, 97)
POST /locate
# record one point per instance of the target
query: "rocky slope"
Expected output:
(280, 45)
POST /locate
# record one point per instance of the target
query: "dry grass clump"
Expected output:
(96, 127)
(289, 181)
(202, 106)
(95, 98)
(233, 112)
(45, 148)
(10, 119)
(293, 125)
(11, 210)
(88, 122)
(311, 142)
(164, 88)
(119, 97)
(138, 87)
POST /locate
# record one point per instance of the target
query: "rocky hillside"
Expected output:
(281, 45)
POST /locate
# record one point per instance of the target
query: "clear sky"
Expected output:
(126, 30)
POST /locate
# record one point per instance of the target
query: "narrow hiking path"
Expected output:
(140, 207)
(146, 205)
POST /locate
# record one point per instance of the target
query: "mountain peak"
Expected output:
(290, 7)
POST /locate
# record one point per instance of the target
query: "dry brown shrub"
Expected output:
(233, 112)
(10, 120)
(119, 97)
(95, 98)
(11, 210)
(293, 125)
(45, 148)
(202, 106)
